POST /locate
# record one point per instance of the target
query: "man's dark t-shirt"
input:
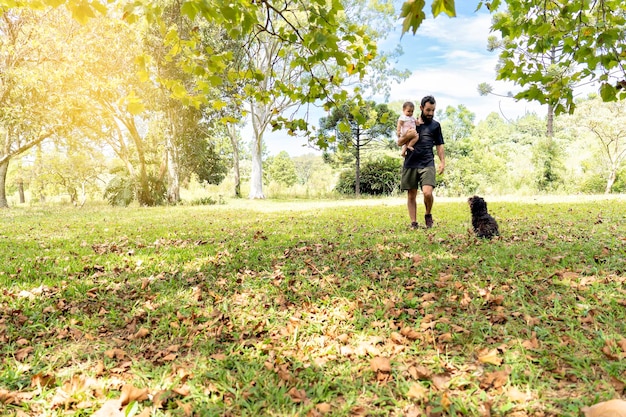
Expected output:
(423, 156)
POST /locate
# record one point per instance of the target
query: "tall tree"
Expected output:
(607, 124)
(33, 79)
(356, 129)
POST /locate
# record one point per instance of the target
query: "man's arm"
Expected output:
(442, 159)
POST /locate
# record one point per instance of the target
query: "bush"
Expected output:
(378, 177)
(122, 190)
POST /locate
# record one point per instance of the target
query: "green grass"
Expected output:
(281, 309)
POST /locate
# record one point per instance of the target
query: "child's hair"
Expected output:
(408, 104)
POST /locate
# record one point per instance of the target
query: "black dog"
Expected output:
(483, 223)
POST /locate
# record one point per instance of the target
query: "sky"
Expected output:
(448, 59)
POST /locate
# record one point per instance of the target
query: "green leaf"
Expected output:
(413, 14)
(445, 6)
(82, 12)
(189, 9)
(608, 92)
(135, 105)
(343, 127)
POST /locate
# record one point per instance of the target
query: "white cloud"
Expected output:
(448, 59)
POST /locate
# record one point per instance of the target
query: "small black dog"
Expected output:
(483, 223)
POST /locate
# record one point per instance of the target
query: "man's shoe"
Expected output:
(428, 218)
(414, 225)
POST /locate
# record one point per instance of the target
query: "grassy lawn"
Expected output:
(333, 309)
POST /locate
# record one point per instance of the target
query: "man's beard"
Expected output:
(426, 118)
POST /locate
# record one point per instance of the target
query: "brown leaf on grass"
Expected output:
(441, 381)
(42, 380)
(622, 344)
(489, 356)
(111, 408)
(131, 393)
(410, 333)
(141, 333)
(323, 408)
(380, 364)
(444, 338)
(612, 408)
(99, 368)
(297, 395)
(532, 343)
(609, 350)
(358, 410)
(183, 390)
(115, 353)
(219, 356)
(515, 395)
(495, 379)
(420, 372)
(7, 397)
(23, 353)
(617, 384)
(417, 392)
(398, 338)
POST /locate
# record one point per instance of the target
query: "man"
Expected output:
(418, 170)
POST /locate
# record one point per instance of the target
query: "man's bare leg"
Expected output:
(428, 198)
(411, 204)
(427, 190)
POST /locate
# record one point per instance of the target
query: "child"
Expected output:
(407, 127)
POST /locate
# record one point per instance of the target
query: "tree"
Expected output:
(583, 39)
(282, 169)
(34, 68)
(358, 128)
(607, 124)
(457, 125)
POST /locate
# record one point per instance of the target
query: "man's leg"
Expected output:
(411, 204)
(428, 203)
(427, 190)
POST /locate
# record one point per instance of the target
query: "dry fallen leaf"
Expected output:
(141, 333)
(490, 356)
(410, 333)
(612, 408)
(516, 395)
(23, 353)
(297, 395)
(115, 353)
(417, 392)
(111, 408)
(380, 364)
(131, 393)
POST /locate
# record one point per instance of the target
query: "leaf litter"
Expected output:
(350, 325)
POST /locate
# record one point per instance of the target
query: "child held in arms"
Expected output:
(407, 127)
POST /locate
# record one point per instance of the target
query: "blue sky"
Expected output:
(448, 59)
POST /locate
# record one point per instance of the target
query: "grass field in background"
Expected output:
(259, 308)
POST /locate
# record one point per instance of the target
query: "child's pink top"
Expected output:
(408, 122)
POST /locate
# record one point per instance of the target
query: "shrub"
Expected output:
(380, 176)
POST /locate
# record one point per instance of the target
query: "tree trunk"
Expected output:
(4, 167)
(20, 190)
(173, 183)
(610, 181)
(357, 177)
(256, 176)
(550, 122)
(232, 133)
